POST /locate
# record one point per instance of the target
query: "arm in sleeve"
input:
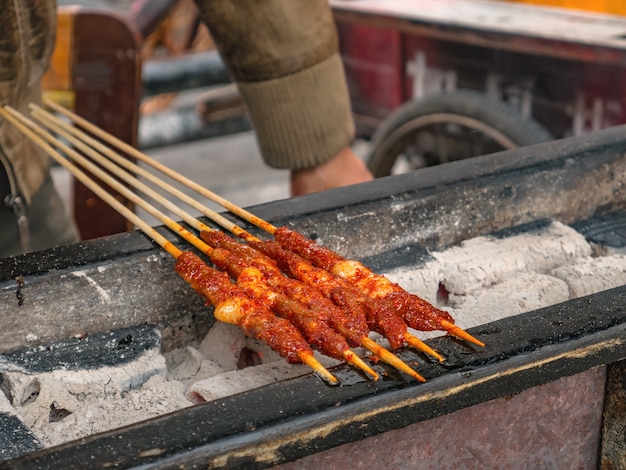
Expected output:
(283, 55)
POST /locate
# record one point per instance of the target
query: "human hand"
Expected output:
(344, 169)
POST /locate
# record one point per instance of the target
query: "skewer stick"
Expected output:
(128, 178)
(219, 219)
(26, 127)
(418, 344)
(87, 145)
(133, 152)
(460, 333)
(113, 183)
(48, 120)
(390, 358)
(108, 198)
(314, 364)
(72, 135)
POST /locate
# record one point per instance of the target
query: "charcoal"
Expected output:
(15, 437)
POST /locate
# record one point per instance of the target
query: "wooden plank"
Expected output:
(504, 17)
(106, 83)
(95, 70)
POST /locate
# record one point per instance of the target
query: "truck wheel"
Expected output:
(448, 127)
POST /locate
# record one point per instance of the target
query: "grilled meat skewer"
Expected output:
(355, 331)
(231, 304)
(417, 312)
(377, 315)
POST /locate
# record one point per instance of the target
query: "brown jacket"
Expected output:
(283, 54)
(26, 43)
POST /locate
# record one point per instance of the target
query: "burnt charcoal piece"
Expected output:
(15, 438)
(395, 258)
(89, 352)
(605, 230)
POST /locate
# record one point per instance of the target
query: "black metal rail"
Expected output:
(295, 418)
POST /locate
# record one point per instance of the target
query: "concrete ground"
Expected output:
(230, 166)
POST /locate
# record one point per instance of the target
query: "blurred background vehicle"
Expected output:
(435, 81)
(430, 82)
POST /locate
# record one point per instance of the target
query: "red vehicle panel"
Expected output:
(564, 69)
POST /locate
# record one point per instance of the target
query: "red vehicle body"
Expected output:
(561, 70)
(438, 80)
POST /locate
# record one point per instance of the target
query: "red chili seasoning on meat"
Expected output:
(308, 249)
(254, 318)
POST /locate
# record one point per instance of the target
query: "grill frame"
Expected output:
(298, 417)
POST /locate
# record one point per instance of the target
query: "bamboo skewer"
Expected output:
(88, 144)
(104, 195)
(133, 152)
(240, 212)
(72, 134)
(49, 121)
(167, 221)
(54, 124)
(33, 132)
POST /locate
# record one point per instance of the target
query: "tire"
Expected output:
(447, 127)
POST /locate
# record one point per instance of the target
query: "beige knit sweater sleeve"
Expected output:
(283, 55)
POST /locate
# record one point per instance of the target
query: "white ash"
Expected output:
(189, 365)
(5, 405)
(57, 416)
(511, 297)
(224, 342)
(236, 381)
(589, 275)
(50, 402)
(423, 282)
(221, 348)
(485, 279)
(485, 261)
(604, 250)
(86, 382)
(488, 278)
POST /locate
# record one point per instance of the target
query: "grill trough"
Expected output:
(525, 248)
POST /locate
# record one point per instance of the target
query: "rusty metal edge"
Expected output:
(292, 419)
(490, 39)
(613, 440)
